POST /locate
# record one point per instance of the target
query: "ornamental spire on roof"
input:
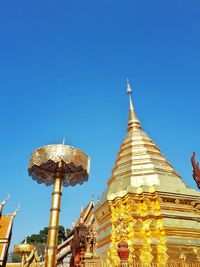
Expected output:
(133, 122)
(5, 200)
(3, 203)
(16, 211)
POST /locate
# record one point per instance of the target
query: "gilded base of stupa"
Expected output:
(154, 235)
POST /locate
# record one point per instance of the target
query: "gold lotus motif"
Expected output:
(44, 161)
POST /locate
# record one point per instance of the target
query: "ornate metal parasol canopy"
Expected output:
(44, 161)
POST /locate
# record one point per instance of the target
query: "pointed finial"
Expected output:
(133, 123)
(81, 220)
(63, 142)
(16, 211)
(92, 200)
(81, 216)
(129, 93)
(73, 223)
(5, 200)
(128, 87)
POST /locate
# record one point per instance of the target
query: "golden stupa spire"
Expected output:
(133, 122)
(139, 161)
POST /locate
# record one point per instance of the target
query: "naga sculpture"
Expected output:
(196, 170)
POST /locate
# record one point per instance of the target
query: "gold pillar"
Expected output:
(51, 247)
(57, 165)
(23, 259)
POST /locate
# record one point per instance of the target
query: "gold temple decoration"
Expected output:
(122, 227)
(59, 165)
(23, 249)
(29, 255)
(44, 161)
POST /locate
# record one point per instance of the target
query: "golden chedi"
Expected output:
(147, 205)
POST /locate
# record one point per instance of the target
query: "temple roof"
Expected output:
(6, 224)
(86, 215)
(140, 163)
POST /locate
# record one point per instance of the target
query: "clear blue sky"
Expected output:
(63, 66)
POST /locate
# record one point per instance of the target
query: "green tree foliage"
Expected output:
(14, 257)
(41, 237)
